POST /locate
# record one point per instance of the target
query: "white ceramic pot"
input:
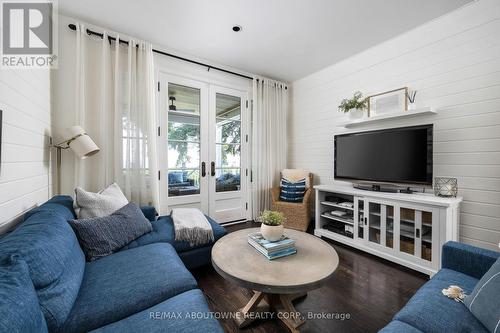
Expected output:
(411, 106)
(271, 233)
(355, 114)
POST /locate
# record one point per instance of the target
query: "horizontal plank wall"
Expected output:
(25, 179)
(454, 63)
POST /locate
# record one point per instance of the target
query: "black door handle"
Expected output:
(212, 167)
(203, 169)
(418, 233)
(366, 221)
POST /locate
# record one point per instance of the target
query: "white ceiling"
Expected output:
(282, 39)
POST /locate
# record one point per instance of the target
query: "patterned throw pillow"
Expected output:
(483, 302)
(292, 191)
(102, 236)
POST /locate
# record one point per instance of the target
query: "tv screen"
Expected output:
(398, 155)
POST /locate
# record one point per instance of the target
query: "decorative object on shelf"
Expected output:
(391, 101)
(172, 107)
(272, 225)
(411, 98)
(354, 106)
(445, 187)
(80, 143)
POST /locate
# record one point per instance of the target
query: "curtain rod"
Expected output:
(90, 32)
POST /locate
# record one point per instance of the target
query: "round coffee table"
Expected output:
(276, 283)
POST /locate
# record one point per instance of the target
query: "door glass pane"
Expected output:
(427, 236)
(407, 231)
(227, 180)
(361, 219)
(374, 222)
(389, 226)
(228, 143)
(183, 140)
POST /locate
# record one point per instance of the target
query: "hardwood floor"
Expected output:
(369, 289)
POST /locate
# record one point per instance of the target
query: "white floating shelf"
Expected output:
(406, 114)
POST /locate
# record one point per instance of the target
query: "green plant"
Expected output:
(356, 102)
(270, 217)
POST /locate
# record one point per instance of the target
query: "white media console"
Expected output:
(409, 229)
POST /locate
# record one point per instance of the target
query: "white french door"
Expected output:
(203, 147)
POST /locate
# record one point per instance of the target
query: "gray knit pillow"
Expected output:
(103, 203)
(102, 236)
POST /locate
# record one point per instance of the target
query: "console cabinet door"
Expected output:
(359, 219)
(418, 232)
(379, 217)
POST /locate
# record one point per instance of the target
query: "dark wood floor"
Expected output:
(371, 290)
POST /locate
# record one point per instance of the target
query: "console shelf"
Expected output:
(383, 117)
(409, 229)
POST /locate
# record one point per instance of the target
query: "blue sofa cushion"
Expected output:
(175, 177)
(46, 242)
(101, 236)
(60, 204)
(19, 308)
(468, 259)
(163, 231)
(149, 212)
(397, 326)
(430, 311)
(191, 308)
(483, 302)
(125, 283)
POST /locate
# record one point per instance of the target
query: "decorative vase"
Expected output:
(411, 106)
(355, 114)
(272, 233)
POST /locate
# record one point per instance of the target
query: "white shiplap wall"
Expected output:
(24, 171)
(454, 63)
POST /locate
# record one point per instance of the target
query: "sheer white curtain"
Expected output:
(115, 102)
(269, 139)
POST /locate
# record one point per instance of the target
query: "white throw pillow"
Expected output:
(103, 203)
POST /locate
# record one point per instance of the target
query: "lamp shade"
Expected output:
(80, 142)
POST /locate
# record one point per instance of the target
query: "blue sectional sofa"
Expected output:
(138, 289)
(430, 311)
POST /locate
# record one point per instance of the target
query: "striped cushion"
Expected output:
(292, 191)
(483, 302)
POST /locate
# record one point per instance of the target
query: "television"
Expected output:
(396, 155)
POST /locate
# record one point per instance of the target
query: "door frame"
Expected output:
(164, 79)
(244, 154)
(166, 67)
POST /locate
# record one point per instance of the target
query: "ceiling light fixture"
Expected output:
(237, 28)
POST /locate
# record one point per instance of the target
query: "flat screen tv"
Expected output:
(397, 155)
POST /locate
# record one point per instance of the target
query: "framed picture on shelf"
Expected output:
(388, 102)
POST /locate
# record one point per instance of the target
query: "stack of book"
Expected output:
(272, 250)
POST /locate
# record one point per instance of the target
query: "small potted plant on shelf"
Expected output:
(272, 225)
(355, 106)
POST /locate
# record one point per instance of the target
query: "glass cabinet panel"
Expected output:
(361, 220)
(374, 210)
(426, 236)
(407, 230)
(389, 226)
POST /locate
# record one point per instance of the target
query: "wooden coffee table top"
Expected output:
(236, 260)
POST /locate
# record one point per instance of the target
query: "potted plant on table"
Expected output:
(272, 225)
(355, 106)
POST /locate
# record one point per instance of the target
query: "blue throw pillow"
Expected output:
(292, 191)
(484, 300)
(102, 236)
(175, 177)
(18, 300)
